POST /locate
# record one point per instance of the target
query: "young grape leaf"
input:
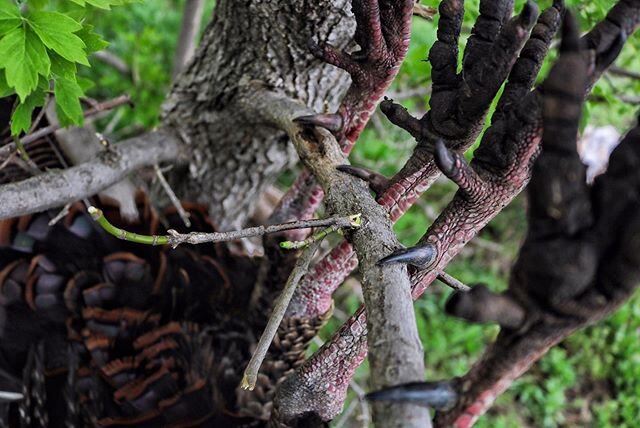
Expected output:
(5, 89)
(23, 56)
(68, 93)
(62, 67)
(57, 32)
(92, 40)
(21, 119)
(9, 17)
(37, 4)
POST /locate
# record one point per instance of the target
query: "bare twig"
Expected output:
(452, 282)
(174, 238)
(619, 71)
(279, 309)
(27, 139)
(426, 12)
(63, 212)
(113, 61)
(56, 188)
(187, 41)
(184, 216)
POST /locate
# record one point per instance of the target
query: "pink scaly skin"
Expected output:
(338, 359)
(383, 31)
(505, 173)
(313, 296)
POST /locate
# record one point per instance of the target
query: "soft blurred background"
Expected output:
(591, 379)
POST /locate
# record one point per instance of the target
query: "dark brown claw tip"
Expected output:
(481, 305)
(570, 34)
(331, 121)
(437, 395)
(444, 158)
(377, 182)
(607, 56)
(529, 14)
(422, 257)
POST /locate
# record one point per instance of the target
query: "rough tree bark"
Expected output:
(251, 45)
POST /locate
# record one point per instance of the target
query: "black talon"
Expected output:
(529, 13)
(377, 182)
(437, 395)
(570, 34)
(332, 122)
(422, 257)
(444, 158)
(604, 58)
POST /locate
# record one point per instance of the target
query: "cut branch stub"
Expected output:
(377, 182)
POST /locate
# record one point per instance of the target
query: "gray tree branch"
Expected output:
(56, 188)
(395, 351)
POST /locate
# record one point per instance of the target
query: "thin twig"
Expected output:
(63, 212)
(174, 238)
(113, 61)
(426, 12)
(356, 221)
(40, 115)
(452, 282)
(184, 216)
(187, 41)
(618, 71)
(28, 139)
(279, 309)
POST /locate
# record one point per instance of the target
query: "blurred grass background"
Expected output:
(591, 379)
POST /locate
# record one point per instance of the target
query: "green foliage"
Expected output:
(39, 51)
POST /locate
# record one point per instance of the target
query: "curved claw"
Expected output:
(529, 14)
(377, 182)
(437, 395)
(445, 160)
(332, 122)
(422, 257)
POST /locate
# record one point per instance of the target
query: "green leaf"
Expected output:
(56, 32)
(68, 93)
(5, 89)
(37, 4)
(85, 84)
(23, 56)
(10, 17)
(21, 118)
(62, 67)
(92, 40)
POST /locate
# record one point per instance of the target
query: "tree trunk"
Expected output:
(250, 45)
